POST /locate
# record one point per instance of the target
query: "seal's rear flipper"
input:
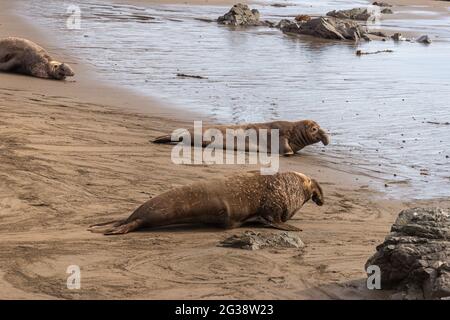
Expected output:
(163, 139)
(102, 227)
(283, 226)
(116, 227)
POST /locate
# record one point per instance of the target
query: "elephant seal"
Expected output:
(293, 136)
(26, 57)
(227, 203)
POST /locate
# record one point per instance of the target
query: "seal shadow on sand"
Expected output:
(204, 228)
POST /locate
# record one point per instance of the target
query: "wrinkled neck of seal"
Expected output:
(301, 137)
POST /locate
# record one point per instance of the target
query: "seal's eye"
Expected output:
(314, 129)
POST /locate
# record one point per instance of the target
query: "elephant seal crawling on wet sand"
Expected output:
(26, 57)
(293, 136)
(228, 203)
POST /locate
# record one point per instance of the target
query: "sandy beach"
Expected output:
(77, 152)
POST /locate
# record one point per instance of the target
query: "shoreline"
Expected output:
(71, 157)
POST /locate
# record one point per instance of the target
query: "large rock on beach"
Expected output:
(354, 14)
(414, 259)
(250, 240)
(327, 28)
(240, 15)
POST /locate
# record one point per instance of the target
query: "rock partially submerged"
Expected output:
(360, 52)
(378, 34)
(415, 256)
(354, 14)
(327, 28)
(251, 240)
(285, 24)
(387, 11)
(240, 15)
(424, 39)
(302, 18)
(381, 4)
(398, 37)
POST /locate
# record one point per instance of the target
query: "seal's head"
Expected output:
(313, 188)
(311, 132)
(60, 70)
(316, 193)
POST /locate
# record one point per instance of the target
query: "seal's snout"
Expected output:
(324, 137)
(316, 193)
(67, 70)
(317, 201)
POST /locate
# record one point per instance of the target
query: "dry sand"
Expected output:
(76, 153)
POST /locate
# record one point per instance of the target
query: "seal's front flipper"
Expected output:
(285, 148)
(283, 226)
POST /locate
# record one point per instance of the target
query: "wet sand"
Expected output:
(77, 153)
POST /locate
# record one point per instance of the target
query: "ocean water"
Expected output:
(388, 113)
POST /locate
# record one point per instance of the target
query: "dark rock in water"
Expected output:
(250, 240)
(302, 18)
(381, 4)
(424, 39)
(279, 5)
(387, 11)
(353, 14)
(285, 24)
(240, 15)
(205, 19)
(183, 75)
(415, 256)
(328, 28)
(398, 37)
(360, 53)
(378, 34)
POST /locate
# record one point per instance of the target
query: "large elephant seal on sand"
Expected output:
(293, 136)
(228, 203)
(23, 56)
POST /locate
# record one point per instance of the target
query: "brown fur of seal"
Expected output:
(227, 203)
(293, 136)
(26, 57)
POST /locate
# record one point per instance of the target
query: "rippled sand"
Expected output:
(75, 153)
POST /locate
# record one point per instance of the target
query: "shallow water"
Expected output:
(378, 108)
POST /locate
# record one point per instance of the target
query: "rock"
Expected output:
(240, 15)
(378, 34)
(353, 14)
(279, 5)
(328, 28)
(360, 53)
(251, 240)
(285, 24)
(424, 39)
(183, 75)
(381, 4)
(398, 37)
(415, 256)
(387, 11)
(302, 18)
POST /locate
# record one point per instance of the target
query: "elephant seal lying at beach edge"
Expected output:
(227, 203)
(293, 135)
(24, 56)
